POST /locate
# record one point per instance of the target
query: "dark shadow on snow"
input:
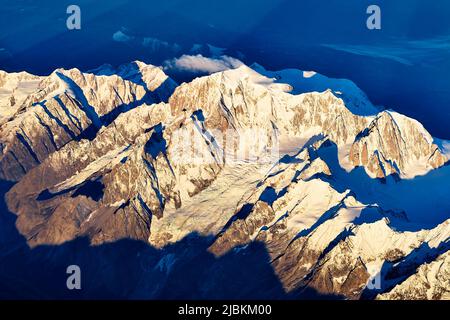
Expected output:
(128, 269)
(97, 121)
(398, 270)
(409, 200)
(93, 189)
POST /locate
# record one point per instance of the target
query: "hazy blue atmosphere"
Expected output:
(404, 66)
(129, 183)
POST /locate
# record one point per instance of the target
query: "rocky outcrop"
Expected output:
(385, 144)
(430, 282)
(322, 239)
(393, 144)
(236, 157)
(70, 105)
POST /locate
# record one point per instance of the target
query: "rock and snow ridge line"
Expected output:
(398, 145)
(133, 84)
(39, 115)
(314, 228)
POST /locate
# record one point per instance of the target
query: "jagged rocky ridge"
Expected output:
(97, 154)
(42, 114)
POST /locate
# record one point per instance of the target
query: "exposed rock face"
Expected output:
(395, 144)
(309, 81)
(320, 238)
(129, 161)
(69, 105)
(15, 89)
(123, 153)
(386, 144)
(242, 98)
(431, 281)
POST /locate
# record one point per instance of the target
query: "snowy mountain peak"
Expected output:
(48, 112)
(292, 160)
(395, 144)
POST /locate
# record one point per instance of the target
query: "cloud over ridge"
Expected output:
(200, 64)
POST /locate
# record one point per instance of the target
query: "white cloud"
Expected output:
(155, 44)
(120, 36)
(438, 43)
(444, 146)
(394, 54)
(400, 50)
(4, 53)
(216, 51)
(199, 63)
(208, 49)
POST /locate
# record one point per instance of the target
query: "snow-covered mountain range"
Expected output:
(347, 199)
